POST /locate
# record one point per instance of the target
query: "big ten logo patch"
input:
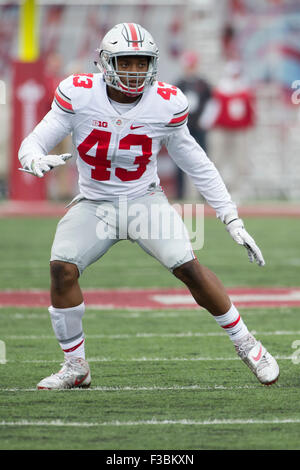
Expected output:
(99, 123)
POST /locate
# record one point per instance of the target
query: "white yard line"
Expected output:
(137, 312)
(36, 316)
(142, 359)
(143, 335)
(136, 388)
(131, 313)
(152, 422)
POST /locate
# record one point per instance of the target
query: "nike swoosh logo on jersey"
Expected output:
(135, 127)
(257, 358)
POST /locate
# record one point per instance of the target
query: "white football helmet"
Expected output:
(122, 40)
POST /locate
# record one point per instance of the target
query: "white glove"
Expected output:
(42, 164)
(236, 229)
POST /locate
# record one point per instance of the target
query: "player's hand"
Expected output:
(42, 164)
(237, 231)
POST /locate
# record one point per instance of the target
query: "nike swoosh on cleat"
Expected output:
(257, 358)
(135, 127)
(79, 381)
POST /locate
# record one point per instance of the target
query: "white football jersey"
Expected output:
(117, 153)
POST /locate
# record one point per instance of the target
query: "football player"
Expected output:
(119, 119)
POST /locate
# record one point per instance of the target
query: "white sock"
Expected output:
(233, 324)
(67, 326)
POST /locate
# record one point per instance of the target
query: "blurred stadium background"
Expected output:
(261, 36)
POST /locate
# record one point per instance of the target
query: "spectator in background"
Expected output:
(229, 43)
(198, 93)
(231, 113)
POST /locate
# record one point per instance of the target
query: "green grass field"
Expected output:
(167, 379)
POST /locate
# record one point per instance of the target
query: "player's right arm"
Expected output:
(54, 127)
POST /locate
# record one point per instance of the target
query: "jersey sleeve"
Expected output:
(179, 110)
(63, 96)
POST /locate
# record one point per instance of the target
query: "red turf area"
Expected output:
(52, 209)
(156, 298)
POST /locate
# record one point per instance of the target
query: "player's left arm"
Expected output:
(192, 159)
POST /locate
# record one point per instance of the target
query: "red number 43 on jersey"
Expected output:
(102, 165)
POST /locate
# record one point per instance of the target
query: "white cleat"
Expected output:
(75, 372)
(257, 358)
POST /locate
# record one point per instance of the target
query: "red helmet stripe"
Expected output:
(133, 33)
